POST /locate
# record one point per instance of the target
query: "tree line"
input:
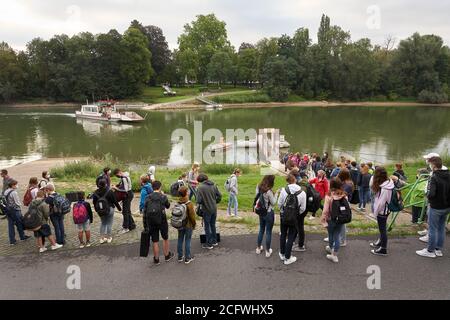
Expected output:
(332, 67)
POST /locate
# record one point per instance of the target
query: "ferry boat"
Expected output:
(107, 111)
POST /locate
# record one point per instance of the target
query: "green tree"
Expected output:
(11, 74)
(247, 64)
(279, 76)
(267, 49)
(220, 68)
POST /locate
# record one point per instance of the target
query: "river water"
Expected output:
(379, 134)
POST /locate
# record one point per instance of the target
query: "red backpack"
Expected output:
(27, 198)
(80, 214)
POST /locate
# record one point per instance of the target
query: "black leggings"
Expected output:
(301, 229)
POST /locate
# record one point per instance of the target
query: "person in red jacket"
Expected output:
(322, 186)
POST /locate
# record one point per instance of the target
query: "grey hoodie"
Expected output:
(208, 195)
(234, 184)
(383, 197)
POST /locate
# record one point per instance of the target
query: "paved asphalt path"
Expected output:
(232, 271)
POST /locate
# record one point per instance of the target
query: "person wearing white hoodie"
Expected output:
(125, 186)
(151, 173)
(382, 189)
(288, 232)
(233, 193)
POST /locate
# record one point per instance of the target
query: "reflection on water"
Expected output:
(375, 134)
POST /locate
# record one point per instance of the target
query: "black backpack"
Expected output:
(102, 206)
(32, 219)
(313, 199)
(259, 205)
(290, 208)
(154, 211)
(175, 187)
(341, 213)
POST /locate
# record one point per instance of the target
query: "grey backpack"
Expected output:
(179, 215)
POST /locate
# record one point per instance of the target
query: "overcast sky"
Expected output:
(247, 20)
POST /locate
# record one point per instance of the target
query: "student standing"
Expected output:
(105, 201)
(292, 192)
(185, 234)
(146, 189)
(155, 221)
(31, 192)
(6, 178)
(438, 194)
(105, 175)
(83, 218)
(233, 192)
(14, 213)
(321, 185)
(265, 199)
(364, 187)
(45, 180)
(382, 188)
(192, 180)
(125, 186)
(56, 218)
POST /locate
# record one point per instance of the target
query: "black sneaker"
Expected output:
(379, 252)
(25, 238)
(188, 260)
(180, 259)
(156, 261)
(169, 256)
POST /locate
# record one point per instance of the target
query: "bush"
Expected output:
(242, 98)
(436, 97)
(278, 93)
(77, 170)
(393, 96)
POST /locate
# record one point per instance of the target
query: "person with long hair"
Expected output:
(266, 222)
(334, 229)
(192, 180)
(382, 188)
(364, 187)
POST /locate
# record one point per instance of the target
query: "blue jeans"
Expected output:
(209, 220)
(58, 223)
(334, 235)
(364, 196)
(437, 219)
(106, 223)
(184, 235)
(192, 192)
(15, 219)
(232, 202)
(266, 226)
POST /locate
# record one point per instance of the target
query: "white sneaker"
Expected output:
(311, 218)
(123, 231)
(343, 243)
(268, 253)
(424, 239)
(426, 253)
(82, 245)
(102, 240)
(328, 249)
(422, 233)
(438, 253)
(282, 257)
(326, 239)
(292, 259)
(259, 249)
(333, 258)
(56, 246)
(43, 249)
(109, 240)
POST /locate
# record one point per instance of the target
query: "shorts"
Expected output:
(84, 226)
(44, 231)
(156, 230)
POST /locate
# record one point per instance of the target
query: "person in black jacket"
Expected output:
(438, 194)
(106, 219)
(157, 202)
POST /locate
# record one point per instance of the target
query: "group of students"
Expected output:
(311, 186)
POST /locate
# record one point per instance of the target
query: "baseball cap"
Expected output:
(431, 155)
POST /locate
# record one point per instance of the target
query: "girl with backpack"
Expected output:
(146, 189)
(382, 188)
(104, 202)
(185, 233)
(31, 192)
(334, 228)
(82, 217)
(264, 203)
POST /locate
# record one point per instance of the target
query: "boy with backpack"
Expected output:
(105, 175)
(82, 217)
(155, 221)
(59, 206)
(14, 213)
(43, 211)
(292, 203)
(146, 189)
(183, 219)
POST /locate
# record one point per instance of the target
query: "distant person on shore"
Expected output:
(104, 201)
(321, 185)
(45, 231)
(83, 218)
(264, 205)
(125, 187)
(354, 174)
(45, 180)
(146, 189)
(31, 191)
(364, 187)
(334, 200)
(56, 218)
(438, 194)
(317, 165)
(151, 174)
(208, 196)
(292, 203)
(382, 188)
(6, 178)
(328, 167)
(155, 221)
(232, 187)
(14, 213)
(105, 175)
(399, 173)
(336, 170)
(185, 234)
(192, 180)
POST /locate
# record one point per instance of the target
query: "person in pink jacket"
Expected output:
(382, 188)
